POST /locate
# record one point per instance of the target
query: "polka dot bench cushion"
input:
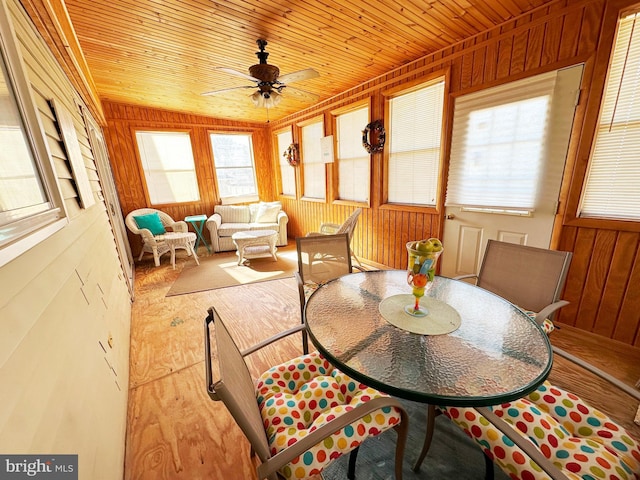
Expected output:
(581, 441)
(301, 395)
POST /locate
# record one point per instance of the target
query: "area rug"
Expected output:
(452, 454)
(222, 270)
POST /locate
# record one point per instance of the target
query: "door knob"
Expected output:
(451, 216)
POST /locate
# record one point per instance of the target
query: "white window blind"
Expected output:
(353, 160)
(235, 171)
(612, 185)
(415, 124)
(169, 169)
(314, 168)
(499, 145)
(287, 172)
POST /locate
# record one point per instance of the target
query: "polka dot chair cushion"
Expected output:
(301, 395)
(580, 440)
(309, 288)
(547, 325)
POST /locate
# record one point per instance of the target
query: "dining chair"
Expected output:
(151, 225)
(301, 415)
(348, 227)
(551, 432)
(529, 277)
(320, 258)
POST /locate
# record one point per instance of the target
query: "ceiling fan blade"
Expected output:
(301, 94)
(298, 76)
(216, 92)
(237, 73)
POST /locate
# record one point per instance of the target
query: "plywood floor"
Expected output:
(174, 431)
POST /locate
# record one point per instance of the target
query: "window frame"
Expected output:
(134, 132)
(242, 198)
(616, 125)
(591, 111)
(335, 171)
(30, 229)
(408, 87)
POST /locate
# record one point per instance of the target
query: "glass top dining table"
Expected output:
(495, 355)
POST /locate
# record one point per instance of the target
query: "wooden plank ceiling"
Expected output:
(164, 53)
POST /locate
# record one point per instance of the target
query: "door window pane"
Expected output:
(509, 144)
(502, 155)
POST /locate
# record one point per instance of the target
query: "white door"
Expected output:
(479, 209)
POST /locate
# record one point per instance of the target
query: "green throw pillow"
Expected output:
(151, 222)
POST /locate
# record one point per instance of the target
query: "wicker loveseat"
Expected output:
(229, 219)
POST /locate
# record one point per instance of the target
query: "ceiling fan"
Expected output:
(268, 81)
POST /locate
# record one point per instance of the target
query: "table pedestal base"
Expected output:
(431, 425)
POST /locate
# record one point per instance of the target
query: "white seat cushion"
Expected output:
(228, 229)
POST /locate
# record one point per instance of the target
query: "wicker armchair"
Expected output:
(348, 226)
(151, 243)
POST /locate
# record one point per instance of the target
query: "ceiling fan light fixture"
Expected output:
(275, 98)
(266, 99)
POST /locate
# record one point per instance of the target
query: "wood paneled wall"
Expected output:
(602, 290)
(124, 120)
(604, 280)
(560, 34)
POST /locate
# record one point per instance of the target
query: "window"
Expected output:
(29, 200)
(314, 171)
(611, 189)
(287, 172)
(415, 132)
(235, 171)
(169, 169)
(353, 160)
(509, 144)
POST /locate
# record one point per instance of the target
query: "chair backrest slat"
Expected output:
(529, 277)
(350, 223)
